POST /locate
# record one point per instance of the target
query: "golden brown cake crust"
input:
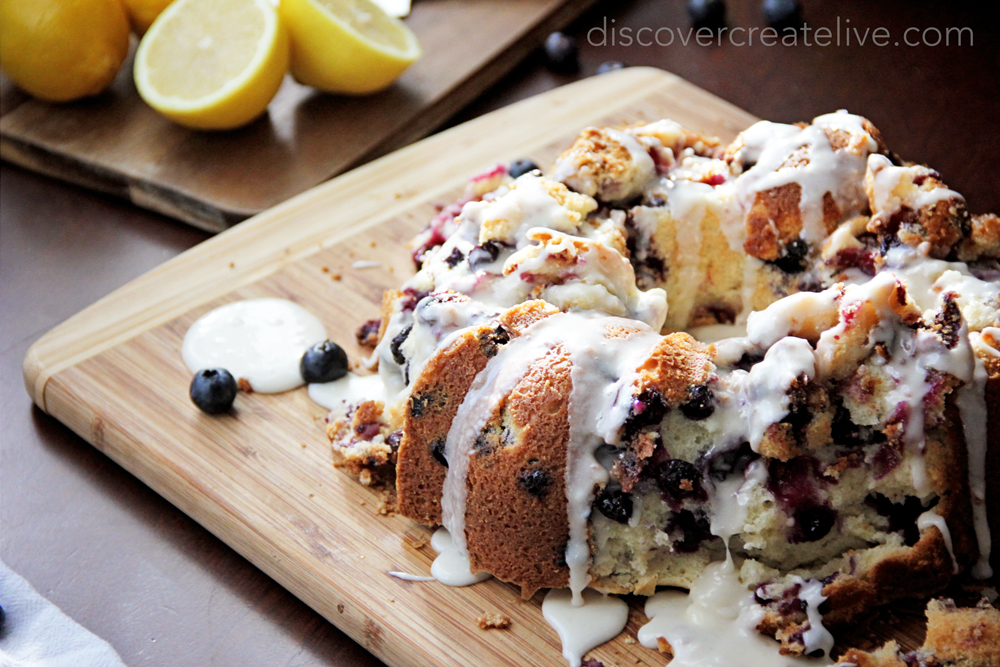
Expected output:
(773, 220)
(676, 363)
(959, 637)
(434, 401)
(516, 524)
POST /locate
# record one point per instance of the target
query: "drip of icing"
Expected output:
(972, 407)
(769, 381)
(602, 371)
(583, 627)
(258, 340)
(816, 637)
(931, 518)
(714, 333)
(406, 576)
(349, 389)
(751, 270)
(797, 312)
(715, 625)
(501, 375)
(730, 498)
(602, 374)
(886, 179)
(451, 567)
(817, 168)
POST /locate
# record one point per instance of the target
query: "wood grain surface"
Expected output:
(128, 565)
(115, 143)
(261, 479)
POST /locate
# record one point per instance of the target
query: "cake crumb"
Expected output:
(232, 265)
(244, 385)
(363, 503)
(491, 621)
(336, 276)
(386, 502)
(326, 269)
(629, 640)
(374, 244)
(392, 600)
(414, 542)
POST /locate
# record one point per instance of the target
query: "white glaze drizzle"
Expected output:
(581, 628)
(816, 636)
(972, 407)
(768, 383)
(932, 518)
(451, 567)
(715, 625)
(818, 169)
(602, 371)
(351, 388)
(258, 340)
(406, 576)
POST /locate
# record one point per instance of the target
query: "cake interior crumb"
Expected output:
(493, 621)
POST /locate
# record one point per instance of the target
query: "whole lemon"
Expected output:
(142, 13)
(61, 50)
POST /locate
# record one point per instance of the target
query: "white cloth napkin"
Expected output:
(37, 634)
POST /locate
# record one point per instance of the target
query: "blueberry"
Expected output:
(813, 523)
(483, 254)
(733, 461)
(437, 451)
(454, 258)
(561, 53)
(610, 66)
(520, 167)
(679, 479)
(793, 259)
(707, 13)
(420, 403)
(781, 14)
(648, 409)
(213, 390)
(323, 362)
(397, 343)
(688, 530)
(536, 482)
(615, 504)
(699, 404)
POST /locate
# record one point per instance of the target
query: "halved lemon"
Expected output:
(142, 13)
(212, 64)
(347, 46)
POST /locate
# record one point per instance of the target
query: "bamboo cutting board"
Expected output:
(261, 479)
(115, 143)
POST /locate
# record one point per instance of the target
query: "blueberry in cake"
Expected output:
(816, 401)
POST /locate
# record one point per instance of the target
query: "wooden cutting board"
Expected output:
(115, 143)
(261, 479)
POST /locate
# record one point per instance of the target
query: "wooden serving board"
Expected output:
(117, 144)
(261, 479)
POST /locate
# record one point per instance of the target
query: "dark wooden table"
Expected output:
(136, 571)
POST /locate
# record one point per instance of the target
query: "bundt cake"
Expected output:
(814, 401)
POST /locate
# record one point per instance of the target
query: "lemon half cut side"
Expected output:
(212, 64)
(347, 46)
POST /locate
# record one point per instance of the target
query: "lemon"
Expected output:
(212, 64)
(60, 50)
(142, 13)
(347, 46)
